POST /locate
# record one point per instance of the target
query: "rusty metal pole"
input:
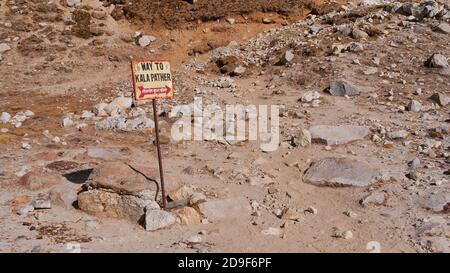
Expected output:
(161, 172)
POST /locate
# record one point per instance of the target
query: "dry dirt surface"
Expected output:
(362, 161)
(182, 14)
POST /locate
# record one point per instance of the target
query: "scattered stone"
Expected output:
(414, 175)
(288, 214)
(437, 61)
(42, 202)
(439, 203)
(197, 198)
(415, 163)
(310, 96)
(377, 198)
(273, 232)
(401, 134)
(338, 233)
(287, 57)
(350, 214)
(355, 47)
(441, 99)
(343, 88)
(117, 105)
(194, 239)
(67, 122)
(336, 135)
(4, 47)
(87, 114)
(340, 172)
(158, 219)
(443, 28)
(414, 106)
(26, 146)
(231, 21)
(302, 139)
(239, 70)
(5, 117)
(25, 210)
(99, 109)
(72, 3)
(145, 40)
(266, 20)
(359, 34)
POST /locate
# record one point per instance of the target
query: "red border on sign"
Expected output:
(134, 81)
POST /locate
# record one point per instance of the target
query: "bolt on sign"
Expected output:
(152, 80)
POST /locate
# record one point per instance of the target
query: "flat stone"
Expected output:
(340, 172)
(5, 117)
(335, 135)
(377, 198)
(437, 61)
(158, 219)
(4, 47)
(40, 178)
(441, 99)
(343, 88)
(287, 57)
(120, 178)
(302, 139)
(145, 40)
(222, 209)
(439, 203)
(40, 203)
(443, 28)
(414, 106)
(400, 134)
(72, 3)
(273, 231)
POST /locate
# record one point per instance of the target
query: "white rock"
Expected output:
(99, 109)
(158, 219)
(310, 96)
(25, 210)
(87, 114)
(5, 117)
(26, 146)
(145, 40)
(273, 232)
(67, 122)
(414, 106)
(231, 21)
(28, 113)
(72, 3)
(4, 47)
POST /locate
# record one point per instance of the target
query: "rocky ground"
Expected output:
(363, 159)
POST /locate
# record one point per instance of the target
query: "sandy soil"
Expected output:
(52, 69)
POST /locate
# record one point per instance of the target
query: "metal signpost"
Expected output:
(152, 80)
